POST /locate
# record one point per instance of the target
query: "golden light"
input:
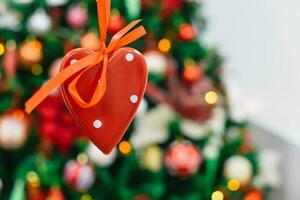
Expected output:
(233, 185)
(86, 197)
(33, 179)
(37, 69)
(217, 195)
(2, 49)
(82, 159)
(164, 45)
(18, 114)
(125, 147)
(211, 97)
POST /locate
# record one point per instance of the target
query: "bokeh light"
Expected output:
(211, 97)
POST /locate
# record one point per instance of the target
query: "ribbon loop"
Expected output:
(120, 39)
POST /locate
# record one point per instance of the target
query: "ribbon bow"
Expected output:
(120, 39)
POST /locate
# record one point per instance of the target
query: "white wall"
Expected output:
(261, 41)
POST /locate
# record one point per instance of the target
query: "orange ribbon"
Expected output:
(120, 39)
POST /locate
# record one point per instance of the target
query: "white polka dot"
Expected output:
(97, 123)
(134, 99)
(73, 61)
(129, 57)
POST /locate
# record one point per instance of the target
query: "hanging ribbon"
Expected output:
(120, 39)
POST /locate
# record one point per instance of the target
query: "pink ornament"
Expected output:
(183, 159)
(77, 17)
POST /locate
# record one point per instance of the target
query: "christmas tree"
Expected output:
(184, 142)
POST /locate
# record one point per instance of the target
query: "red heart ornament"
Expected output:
(106, 122)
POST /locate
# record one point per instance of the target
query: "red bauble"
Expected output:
(56, 124)
(183, 159)
(192, 74)
(170, 6)
(55, 194)
(79, 176)
(187, 100)
(106, 122)
(187, 32)
(116, 23)
(254, 195)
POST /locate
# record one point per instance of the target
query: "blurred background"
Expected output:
(218, 120)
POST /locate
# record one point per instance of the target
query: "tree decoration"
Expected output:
(152, 158)
(152, 128)
(10, 20)
(79, 176)
(13, 130)
(254, 195)
(77, 17)
(170, 6)
(192, 74)
(194, 130)
(56, 124)
(183, 159)
(90, 41)
(239, 168)
(55, 193)
(89, 107)
(39, 23)
(99, 158)
(116, 23)
(187, 32)
(156, 62)
(31, 52)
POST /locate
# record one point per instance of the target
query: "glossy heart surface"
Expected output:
(107, 121)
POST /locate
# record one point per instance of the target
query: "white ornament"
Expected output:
(39, 23)
(97, 123)
(99, 158)
(268, 170)
(13, 132)
(238, 167)
(55, 3)
(10, 21)
(193, 129)
(152, 128)
(152, 157)
(156, 62)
